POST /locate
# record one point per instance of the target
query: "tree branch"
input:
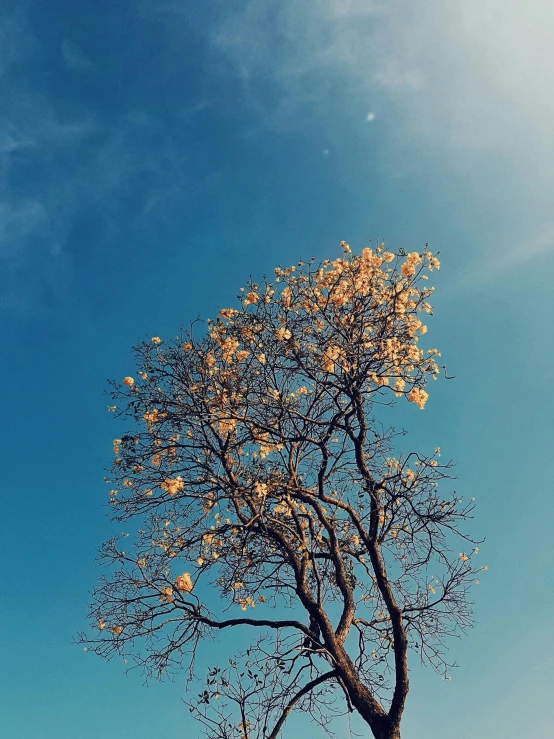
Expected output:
(301, 693)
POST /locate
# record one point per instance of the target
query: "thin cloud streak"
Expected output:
(466, 82)
(53, 167)
(470, 75)
(100, 164)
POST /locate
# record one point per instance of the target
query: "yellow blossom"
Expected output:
(166, 595)
(286, 297)
(228, 312)
(251, 298)
(184, 583)
(283, 333)
(172, 485)
(418, 396)
(398, 387)
(227, 425)
(434, 264)
(129, 381)
(151, 417)
(410, 265)
(260, 488)
(245, 602)
(229, 347)
(156, 340)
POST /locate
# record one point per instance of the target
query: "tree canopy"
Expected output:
(263, 492)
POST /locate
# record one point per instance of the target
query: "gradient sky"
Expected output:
(153, 154)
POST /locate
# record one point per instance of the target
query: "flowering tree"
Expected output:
(267, 498)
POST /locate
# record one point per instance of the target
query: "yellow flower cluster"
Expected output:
(260, 489)
(245, 602)
(166, 595)
(184, 583)
(283, 333)
(433, 261)
(172, 485)
(151, 418)
(331, 355)
(228, 347)
(228, 312)
(251, 298)
(266, 445)
(409, 268)
(418, 396)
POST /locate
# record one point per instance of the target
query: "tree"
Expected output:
(258, 472)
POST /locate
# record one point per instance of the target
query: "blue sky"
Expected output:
(155, 154)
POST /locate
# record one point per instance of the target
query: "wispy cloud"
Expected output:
(466, 81)
(502, 262)
(55, 163)
(460, 80)
(79, 165)
(467, 73)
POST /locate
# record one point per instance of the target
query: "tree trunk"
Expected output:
(386, 731)
(381, 724)
(382, 727)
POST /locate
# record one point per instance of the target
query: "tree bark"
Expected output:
(385, 730)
